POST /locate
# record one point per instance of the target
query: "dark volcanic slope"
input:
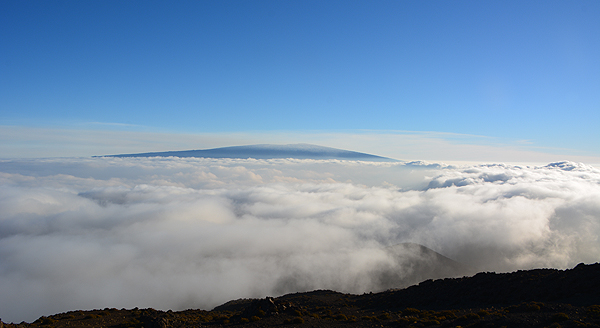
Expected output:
(580, 285)
(535, 298)
(300, 151)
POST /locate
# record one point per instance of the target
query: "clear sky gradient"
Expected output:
(518, 74)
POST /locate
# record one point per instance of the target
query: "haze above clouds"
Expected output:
(466, 81)
(507, 81)
(177, 233)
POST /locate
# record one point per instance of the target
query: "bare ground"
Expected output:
(533, 298)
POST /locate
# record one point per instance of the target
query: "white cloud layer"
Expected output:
(193, 233)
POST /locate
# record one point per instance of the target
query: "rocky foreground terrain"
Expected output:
(533, 298)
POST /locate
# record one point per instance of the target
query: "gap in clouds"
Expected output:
(175, 233)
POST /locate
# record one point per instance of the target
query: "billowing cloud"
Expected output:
(173, 233)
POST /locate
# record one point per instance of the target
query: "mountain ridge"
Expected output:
(267, 151)
(525, 298)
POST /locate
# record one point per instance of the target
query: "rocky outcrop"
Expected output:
(267, 306)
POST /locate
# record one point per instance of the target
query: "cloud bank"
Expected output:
(172, 233)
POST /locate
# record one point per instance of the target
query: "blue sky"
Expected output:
(483, 82)
(508, 74)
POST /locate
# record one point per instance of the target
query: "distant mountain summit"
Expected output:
(266, 151)
(407, 264)
(418, 263)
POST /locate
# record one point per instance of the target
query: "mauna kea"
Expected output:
(268, 151)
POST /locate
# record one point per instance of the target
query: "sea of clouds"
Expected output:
(178, 233)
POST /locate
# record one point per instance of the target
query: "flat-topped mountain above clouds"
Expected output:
(268, 151)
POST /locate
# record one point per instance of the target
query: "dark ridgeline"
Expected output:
(298, 151)
(532, 298)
